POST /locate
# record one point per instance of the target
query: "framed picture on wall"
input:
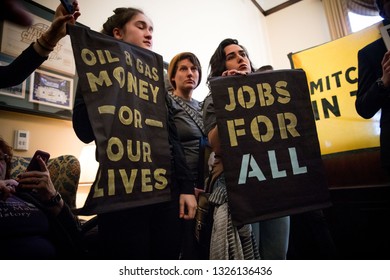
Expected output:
(18, 91)
(15, 39)
(51, 89)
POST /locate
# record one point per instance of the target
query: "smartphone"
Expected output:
(34, 164)
(68, 4)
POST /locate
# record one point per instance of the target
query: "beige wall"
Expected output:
(52, 135)
(298, 27)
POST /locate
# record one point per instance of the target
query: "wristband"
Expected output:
(44, 47)
(47, 43)
(380, 84)
(54, 201)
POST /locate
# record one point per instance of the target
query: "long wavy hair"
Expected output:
(217, 63)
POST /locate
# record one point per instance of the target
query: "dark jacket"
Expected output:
(22, 67)
(371, 98)
(64, 233)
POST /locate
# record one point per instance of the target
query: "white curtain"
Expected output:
(337, 13)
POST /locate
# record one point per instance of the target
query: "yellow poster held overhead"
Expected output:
(332, 74)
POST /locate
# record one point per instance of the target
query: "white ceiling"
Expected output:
(269, 6)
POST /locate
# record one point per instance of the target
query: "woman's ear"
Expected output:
(117, 33)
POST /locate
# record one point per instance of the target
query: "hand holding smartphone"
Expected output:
(34, 163)
(68, 4)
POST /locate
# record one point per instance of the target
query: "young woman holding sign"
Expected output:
(229, 59)
(147, 232)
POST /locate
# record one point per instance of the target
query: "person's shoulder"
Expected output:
(208, 98)
(170, 95)
(377, 45)
(208, 101)
(170, 100)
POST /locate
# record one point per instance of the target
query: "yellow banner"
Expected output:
(332, 74)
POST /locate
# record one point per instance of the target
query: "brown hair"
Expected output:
(119, 19)
(218, 59)
(6, 149)
(172, 68)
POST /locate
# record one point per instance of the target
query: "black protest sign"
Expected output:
(271, 153)
(123, 88)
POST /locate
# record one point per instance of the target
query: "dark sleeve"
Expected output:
(66, 234)
(68, 220)
(80, 119)
(370, 98)
(209, 118)
(22, 67)
(181, 174)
